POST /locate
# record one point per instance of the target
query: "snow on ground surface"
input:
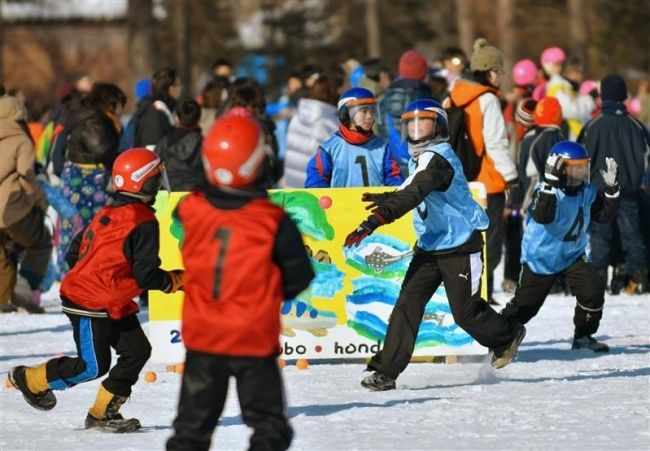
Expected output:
(551, 398)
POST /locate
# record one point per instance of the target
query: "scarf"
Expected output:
(354, 137)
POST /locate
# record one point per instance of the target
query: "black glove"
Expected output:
(376, 200)
(553, 170)
(515, 194)
(176, 280)
(365, 228)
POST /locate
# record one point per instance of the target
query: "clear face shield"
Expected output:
(577, 172)
(422, 126)
(364, 113)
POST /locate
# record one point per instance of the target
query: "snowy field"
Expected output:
(551, 398)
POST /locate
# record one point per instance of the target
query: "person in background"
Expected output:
(376, 77)
(22, 211)
(93, 142)
(313, 123)
(354, 155)
(454, 62)
(555, 241)
(112, 260)
(212, 97)
(448, 224)
(617, 134)
(478, 95)
(180, 150)
(231, 311)
(154, 118)
(411, 85)
(247, 94)
(142, 91)
(576, 108)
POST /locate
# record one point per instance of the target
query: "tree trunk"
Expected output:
(504, 19)
(373, 36)
(578, 30)
(141, 39)
(465, 25)
(181, 30)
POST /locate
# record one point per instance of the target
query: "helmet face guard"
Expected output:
(575, 172)
(424, 125)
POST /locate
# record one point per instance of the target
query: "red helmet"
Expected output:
(132, 170)
(234, 151)
(548, 112)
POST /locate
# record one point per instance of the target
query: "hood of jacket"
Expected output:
(10, 128)
(465, 91)
(311, 110)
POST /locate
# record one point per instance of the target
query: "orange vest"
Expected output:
(102, 278)
(233, 289)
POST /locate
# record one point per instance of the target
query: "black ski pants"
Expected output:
(203, 395)
(584, 282)
(94, 338)
(461, 274)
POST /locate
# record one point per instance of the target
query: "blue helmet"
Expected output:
(354, 100)
(421, 110)
(571, 161)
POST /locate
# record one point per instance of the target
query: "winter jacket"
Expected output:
(576, 108)
(487, 131)
(19, 191)
(92, 136)
(153, 120)
(312, 124)
(615, 133)
(181, 152)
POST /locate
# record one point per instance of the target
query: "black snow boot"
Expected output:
(44, 400)
(378, 382)
(588, 342)
(505, 355)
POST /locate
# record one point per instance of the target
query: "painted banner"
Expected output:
(345, 310)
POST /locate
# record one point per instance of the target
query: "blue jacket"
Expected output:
(338, 164)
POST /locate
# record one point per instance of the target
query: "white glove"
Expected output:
(609, 175)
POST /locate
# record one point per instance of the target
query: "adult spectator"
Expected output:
(376, 77)
(313, 123)
(617, 134)
(478, 96)
(93, 141)
(212, 97)
(410, 86)
(22, 209)
(154, 118)
(180, 150)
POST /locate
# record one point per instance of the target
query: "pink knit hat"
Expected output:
(413, 65)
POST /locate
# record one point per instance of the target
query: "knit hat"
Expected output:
(613, 87)
(524, 112)
(485, 57)
(11, 108)
(412, 65)
(548, 112)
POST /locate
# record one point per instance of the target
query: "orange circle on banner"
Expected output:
(8, 384)
(281, 362)
(150, 377)
(302, 364)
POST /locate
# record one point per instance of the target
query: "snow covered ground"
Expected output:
(550, 398)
